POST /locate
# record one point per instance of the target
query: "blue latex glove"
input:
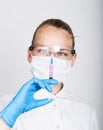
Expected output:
(24, 100)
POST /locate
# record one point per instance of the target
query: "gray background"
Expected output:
(18, 20)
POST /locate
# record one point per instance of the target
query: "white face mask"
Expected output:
(40, 68)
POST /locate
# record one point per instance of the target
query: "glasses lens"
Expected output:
(46, 51)
(41, 50)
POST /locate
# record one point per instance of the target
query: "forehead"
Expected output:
(50, 36)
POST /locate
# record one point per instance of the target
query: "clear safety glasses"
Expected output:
(62, 53)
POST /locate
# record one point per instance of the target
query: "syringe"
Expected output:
(51, 69)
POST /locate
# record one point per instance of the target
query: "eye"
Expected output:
(42, 50)
(60, 53)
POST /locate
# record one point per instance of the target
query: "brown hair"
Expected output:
(58, 23)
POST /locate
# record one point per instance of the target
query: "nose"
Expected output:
(51, 53)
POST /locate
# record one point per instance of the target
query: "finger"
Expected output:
(43, 84)
(51, 81)
(48, 88)
(46, 83)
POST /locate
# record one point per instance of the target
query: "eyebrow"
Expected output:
(62, 48)
(65, 49)
(35, 45)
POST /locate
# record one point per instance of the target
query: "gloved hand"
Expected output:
(24, 100)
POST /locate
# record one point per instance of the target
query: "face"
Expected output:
(51, 41)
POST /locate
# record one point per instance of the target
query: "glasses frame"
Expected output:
(73, 51)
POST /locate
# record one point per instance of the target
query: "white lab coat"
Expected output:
(66, 112)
